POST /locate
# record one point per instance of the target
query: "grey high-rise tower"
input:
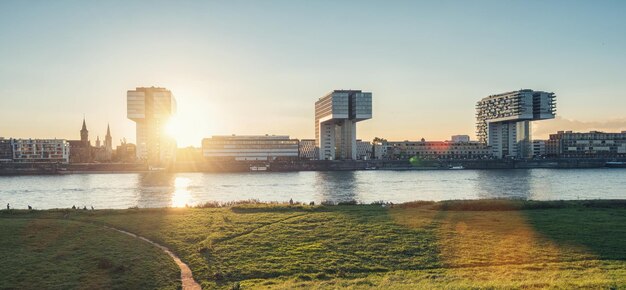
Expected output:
(336, 115)
(503, 120)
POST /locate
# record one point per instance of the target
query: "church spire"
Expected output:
(108, 130)
(84, 134)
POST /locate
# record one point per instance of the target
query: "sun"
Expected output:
(173, 128)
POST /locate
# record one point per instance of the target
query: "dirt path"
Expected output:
(185, 273)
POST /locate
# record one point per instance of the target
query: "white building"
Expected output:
(40, 150)
(539, 148)
(503, 120)
(308, 149)
(336, 115)
(363, 150)
(151, 109)
(255, 147)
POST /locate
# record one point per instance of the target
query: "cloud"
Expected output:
(542, 129)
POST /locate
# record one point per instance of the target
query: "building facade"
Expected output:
(336, 115)
(460, 138)
(504, 120)
(6, 150)
(40, 150)
(250, 148)
(539, 148)
(151, 109)
(81, 150)
(437, 150)
(307, 149)
(363, 150)
(593, 144)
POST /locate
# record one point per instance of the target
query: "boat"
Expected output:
(457, 167)
(258, 168)
(615, 164)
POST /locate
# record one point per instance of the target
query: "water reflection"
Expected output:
(336, 185)
(155, 189)
(181, 196)
(504, 184)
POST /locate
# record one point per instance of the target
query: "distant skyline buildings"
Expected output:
(224, 60)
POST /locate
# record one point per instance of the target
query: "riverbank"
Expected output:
(453, 244)
(308, 165)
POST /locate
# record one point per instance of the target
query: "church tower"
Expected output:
(108, 141)
(84, 135)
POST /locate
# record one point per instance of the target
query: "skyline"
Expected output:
(249, 68)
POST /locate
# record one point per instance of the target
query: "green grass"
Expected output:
(452, 244)
(63, 254)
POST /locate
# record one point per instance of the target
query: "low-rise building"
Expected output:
(307, 149)
(6, 150)
(255, 147)
(593, 144)
(432, 150)
(363, 150)
(539, 148)
(40, 150)
(460, 138)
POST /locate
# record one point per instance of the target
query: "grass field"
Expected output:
(463, 244)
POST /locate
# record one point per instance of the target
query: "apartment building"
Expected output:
(250, 148)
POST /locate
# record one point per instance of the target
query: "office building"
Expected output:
(504, 120)
(436, 150)
(593, 144)
(250, 148)
(307, 149)
(6, 150)
(363, 150)
(336, 115)
(151, 109)
(539, 148)
(40, 150)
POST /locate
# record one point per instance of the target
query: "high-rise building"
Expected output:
(336, 115)
(151, 109)
(503, 120)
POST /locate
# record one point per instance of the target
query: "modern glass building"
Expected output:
(504, 120)
(250, 148)
(336, 115)
(151, 108)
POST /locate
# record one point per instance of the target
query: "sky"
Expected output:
(257, 67)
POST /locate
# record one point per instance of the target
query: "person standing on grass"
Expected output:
(8, 207)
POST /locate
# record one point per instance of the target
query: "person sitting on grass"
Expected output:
(73, 206)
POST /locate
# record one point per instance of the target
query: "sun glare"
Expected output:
(181, 196)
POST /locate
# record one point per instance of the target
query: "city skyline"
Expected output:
(250, 68)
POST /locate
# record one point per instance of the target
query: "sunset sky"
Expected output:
(257, 67)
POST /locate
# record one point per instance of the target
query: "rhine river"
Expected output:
(180, 189)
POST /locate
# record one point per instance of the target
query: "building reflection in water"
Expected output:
(514, 183)
(155, 189)
(336, 186)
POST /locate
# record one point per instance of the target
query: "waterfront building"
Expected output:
(336, 115)
(307, 149)
(593, 144)
(381, 148)
(434, 150)
(151, 109)
(539, 148)
(40, 150)
(103, 152)
(363, 150)
(251, 147)
(125, 152)
(6, 150)
(504, 120)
